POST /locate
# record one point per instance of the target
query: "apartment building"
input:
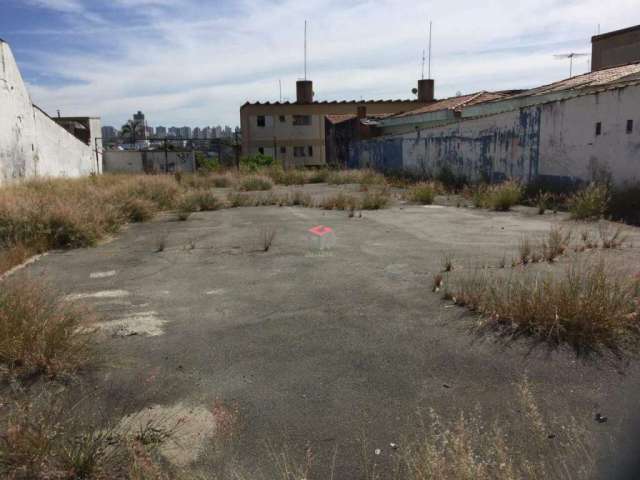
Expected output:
(294, 133)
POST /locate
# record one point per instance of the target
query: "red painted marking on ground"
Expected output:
(320, 230)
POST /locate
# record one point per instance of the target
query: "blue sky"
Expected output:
(194, 62)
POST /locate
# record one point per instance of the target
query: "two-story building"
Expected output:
(294, 133)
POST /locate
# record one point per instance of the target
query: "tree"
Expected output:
(132, 130)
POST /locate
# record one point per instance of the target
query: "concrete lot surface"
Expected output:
(318, 348)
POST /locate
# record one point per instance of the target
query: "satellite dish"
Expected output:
(414, 91)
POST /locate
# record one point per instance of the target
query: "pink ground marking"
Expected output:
(320, 230)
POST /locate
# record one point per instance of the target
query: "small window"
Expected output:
(599, 128)
(302, 119)
(261, 150)
(299, 152)
(310, 148)
(629, 126)
(261, 121)
(283, 149)
(282, 118)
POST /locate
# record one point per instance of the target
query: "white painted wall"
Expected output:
(31, 144)
(570, 147)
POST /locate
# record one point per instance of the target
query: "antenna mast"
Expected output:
(280, 86)
(423, 59)
(429, 51)
(305, 49)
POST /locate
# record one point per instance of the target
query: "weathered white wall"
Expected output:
(553, 141)
(32, 144)
(569, 146)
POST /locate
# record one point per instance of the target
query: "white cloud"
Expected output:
(195, 63)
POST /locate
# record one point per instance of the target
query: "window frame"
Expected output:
(302, 120)
(261, 121)
(629, 128)
(598, 129)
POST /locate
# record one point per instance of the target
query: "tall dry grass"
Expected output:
(39, 331)
(587, 307)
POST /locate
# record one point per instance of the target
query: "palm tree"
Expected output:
(132, 130)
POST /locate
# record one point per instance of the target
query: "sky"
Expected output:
(195, 62)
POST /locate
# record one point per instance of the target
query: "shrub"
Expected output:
(423, 193)
(591, 203)
(318, 176)
(256, 162)
(586, 308)
(201, 200)
(450, 179)
(339, 201)
(343, 177)
(138, 209)
(369, 178)
(556, 244)
(374, 200)
(255, 182)
(543, 201)
(39, 332)
(624, 204)
(503, 196)
(288, 177)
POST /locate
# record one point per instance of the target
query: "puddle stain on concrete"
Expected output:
(143, 323)
(110, 273)
(98, 295)
(188, 429)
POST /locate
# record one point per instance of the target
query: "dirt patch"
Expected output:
(182, 431)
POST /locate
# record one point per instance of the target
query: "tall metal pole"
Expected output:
(429, 48)
(305, 49)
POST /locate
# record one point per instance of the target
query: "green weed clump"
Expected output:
(202, 201)
(591, 203)
(423, 193)
(255, 183)
(503, 196)
(374, 200)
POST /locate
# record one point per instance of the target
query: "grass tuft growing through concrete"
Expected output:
(586, 307)
(39, 332)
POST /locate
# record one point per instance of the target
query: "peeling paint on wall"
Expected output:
(552, 141)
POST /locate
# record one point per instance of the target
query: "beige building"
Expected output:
(294, 133)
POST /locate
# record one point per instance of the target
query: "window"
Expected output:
(310, 149)
(282, 119)
(261, 121)
(302, 119)
(283, 149)
(629, 126)
(261, 150)
(299, 152)
(599, 128)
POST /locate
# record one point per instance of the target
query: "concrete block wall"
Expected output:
(148, 161)
(31, 144)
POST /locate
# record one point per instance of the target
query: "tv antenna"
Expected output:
(280, 86)
(305, 49)
(571, 56)
(429, 74)
(423, 56)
